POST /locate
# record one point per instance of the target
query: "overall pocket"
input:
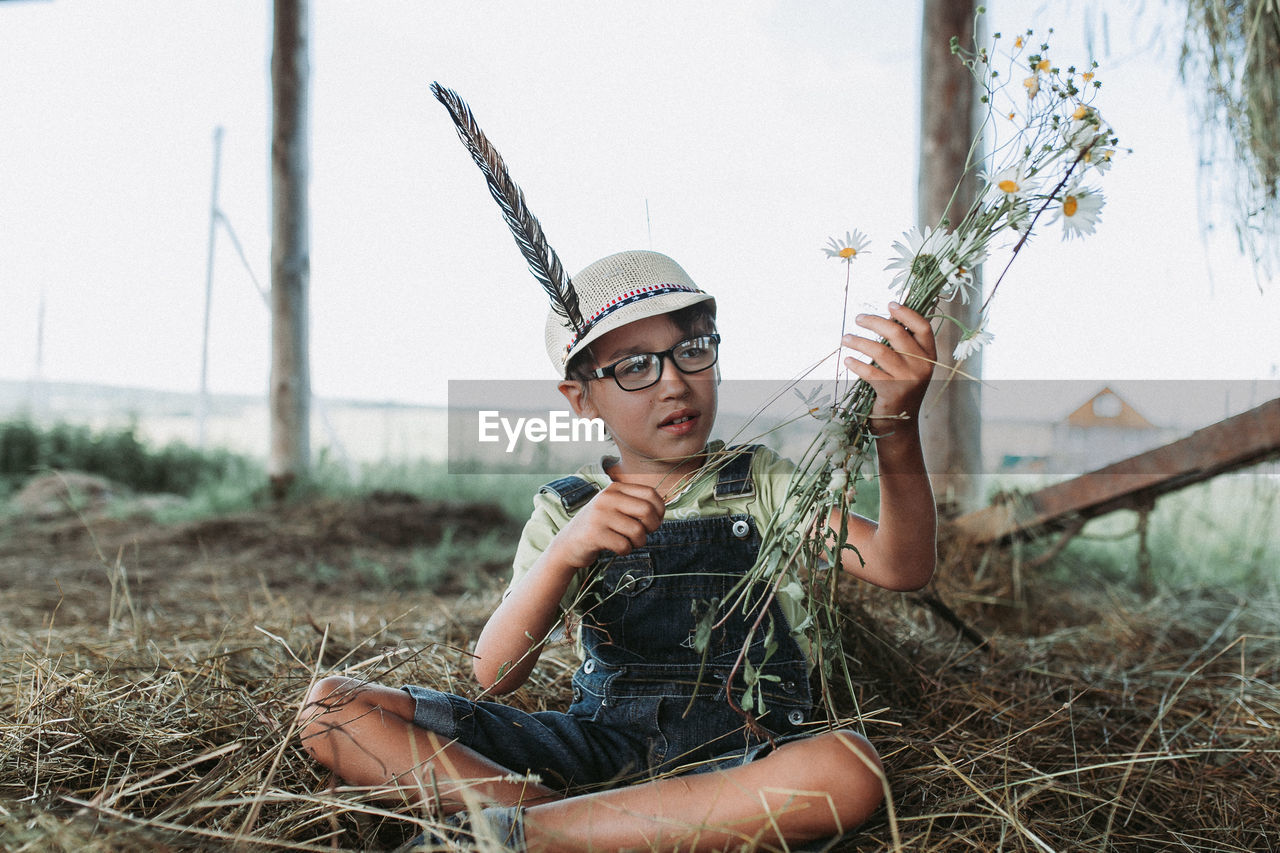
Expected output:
(615, 602)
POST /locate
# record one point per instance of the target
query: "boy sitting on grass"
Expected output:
(651, 754)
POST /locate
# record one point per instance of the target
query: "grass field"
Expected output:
(150, 670)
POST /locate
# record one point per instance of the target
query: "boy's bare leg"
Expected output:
(364, 733)
(805, 790)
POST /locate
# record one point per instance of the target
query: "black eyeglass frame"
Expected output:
(611, 369)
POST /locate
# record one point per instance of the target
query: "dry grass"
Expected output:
(1123, 725)
(1157, 727)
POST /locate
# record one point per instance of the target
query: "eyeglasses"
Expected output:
(639, 371)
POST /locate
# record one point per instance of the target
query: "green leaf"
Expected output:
(702, 636)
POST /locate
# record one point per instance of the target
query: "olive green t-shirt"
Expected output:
(769, 472)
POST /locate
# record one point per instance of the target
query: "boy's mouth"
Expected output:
(681, 422)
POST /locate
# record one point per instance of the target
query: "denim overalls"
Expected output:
(645, 700)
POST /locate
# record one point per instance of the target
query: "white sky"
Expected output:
(752, 130)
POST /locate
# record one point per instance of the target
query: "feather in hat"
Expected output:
(542, 259)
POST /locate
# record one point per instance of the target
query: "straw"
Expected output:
(1141, 725)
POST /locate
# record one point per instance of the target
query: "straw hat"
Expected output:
(617, 290)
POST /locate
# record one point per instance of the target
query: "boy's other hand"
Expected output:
(618, 519)
(900, 370)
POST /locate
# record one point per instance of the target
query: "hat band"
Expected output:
(624, 299)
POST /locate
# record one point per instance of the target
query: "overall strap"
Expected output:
(573, 491)
(735, 477)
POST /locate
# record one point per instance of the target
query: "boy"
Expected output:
(635, 546)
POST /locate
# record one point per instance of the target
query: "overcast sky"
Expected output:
(736, 137)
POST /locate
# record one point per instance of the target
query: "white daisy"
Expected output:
(958, 267)
(813, 403)
(1019, 216)
(1010, 184)
(921, 255)
(855, 243)
(1099, 158)
(1079, 211)
(839, 479)
(971, 343)
(835, 438)
(1087, 129)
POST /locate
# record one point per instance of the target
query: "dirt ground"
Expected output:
(82, 566)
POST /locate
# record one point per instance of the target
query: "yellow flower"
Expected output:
(854, 242)
(1018, 42)
(1079, 211)
(1081, 112)
(1012, 182)
(1033, 85)
(1088, 75)
(1042, 65)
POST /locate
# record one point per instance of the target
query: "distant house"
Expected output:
(1108, 410)
(1105, 428)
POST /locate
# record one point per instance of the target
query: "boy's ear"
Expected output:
(576, 393)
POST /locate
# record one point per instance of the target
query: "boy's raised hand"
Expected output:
(618, 519)
(899, 371)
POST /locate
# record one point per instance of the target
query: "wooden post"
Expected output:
(290, 394)
(951, 416)
(1146, 579)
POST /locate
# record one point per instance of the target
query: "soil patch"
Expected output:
(92, 566)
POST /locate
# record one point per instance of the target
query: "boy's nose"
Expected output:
(672, 380)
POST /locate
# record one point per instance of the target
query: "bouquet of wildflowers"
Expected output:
(1048, 147)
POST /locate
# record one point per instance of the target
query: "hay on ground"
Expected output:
(1148, 725)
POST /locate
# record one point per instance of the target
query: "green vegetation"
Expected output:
(513, 492)
(450, 561)
(219, 481)
(1217, 534)
(117, 455)
(1223, 533)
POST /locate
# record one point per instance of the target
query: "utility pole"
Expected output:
(290, 394)
(951, 417)
(36, 397)
(202, 401)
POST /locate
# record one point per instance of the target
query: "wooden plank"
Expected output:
(1234, 443)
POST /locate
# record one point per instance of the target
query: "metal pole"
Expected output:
(36, 399)
(202, 402)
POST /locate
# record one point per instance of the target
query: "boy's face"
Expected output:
(666, 423)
